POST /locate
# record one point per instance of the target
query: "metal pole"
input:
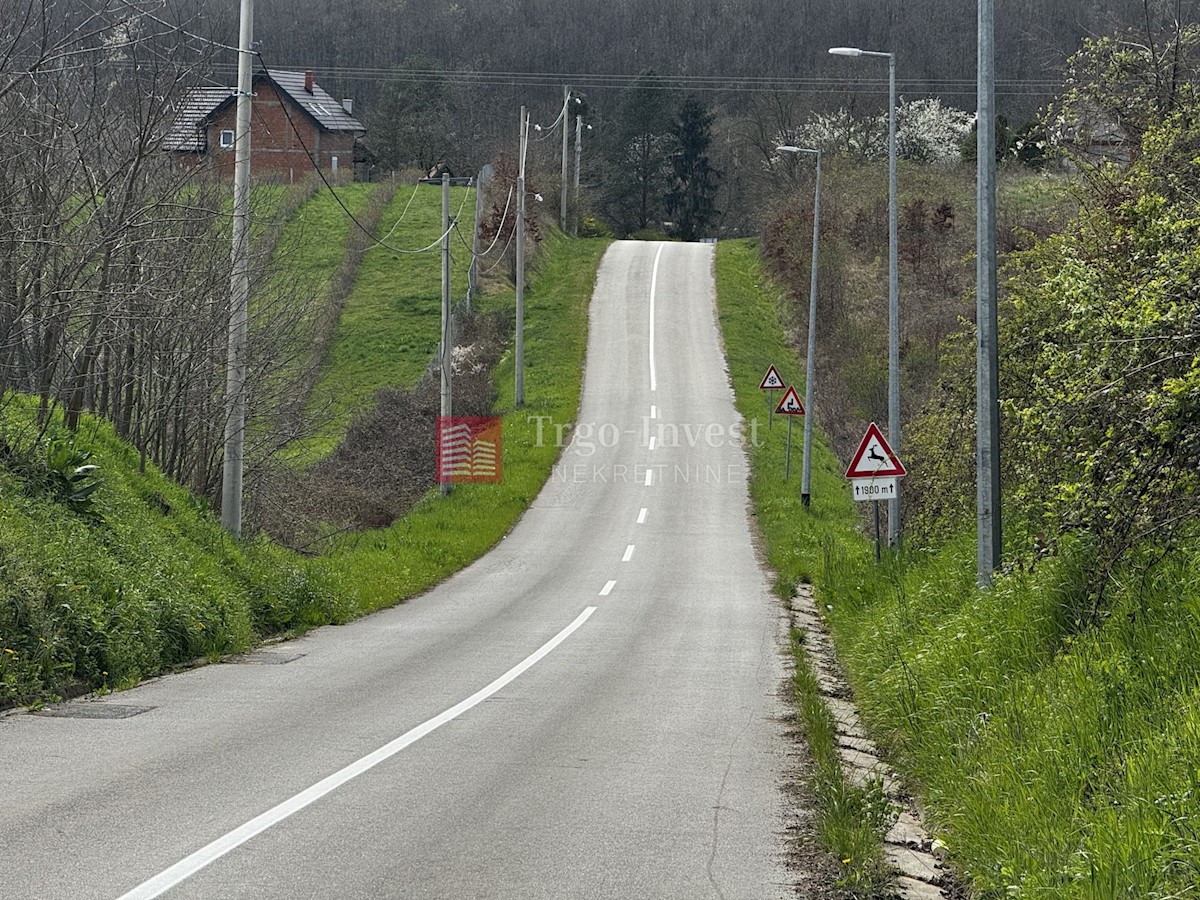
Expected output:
(878, 553)
(988, 522)
(787, 459)
(893, 303)
(447, 348)
(810, 368)
(519, 349)
(578, 158)
(239, 311)
(562, 212)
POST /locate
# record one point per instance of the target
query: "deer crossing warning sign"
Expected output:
(874, 468)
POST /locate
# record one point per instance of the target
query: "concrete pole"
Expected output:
(562, 213)
(239, 306)
(893, 303)
(810, 365)
(447, 348)
(473, 269)
(990, 545)
(578, 159)
(519, 348)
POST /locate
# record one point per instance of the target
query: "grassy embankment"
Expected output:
(440, 535)
(1055, 758)
(391, 320)
(146, 580)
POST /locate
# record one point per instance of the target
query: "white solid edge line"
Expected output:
(642, 516)
(607, 589)
(628, 554)
(192, 864)
(653, 289)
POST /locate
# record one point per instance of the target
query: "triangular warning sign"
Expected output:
(790, 405)
(874, 458)
(771, 381)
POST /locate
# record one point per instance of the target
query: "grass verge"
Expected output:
(1057, 755)
(851, 820)
(136, 578)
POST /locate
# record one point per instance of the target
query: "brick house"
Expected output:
(292, 119)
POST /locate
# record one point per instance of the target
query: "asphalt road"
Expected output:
(591, 711)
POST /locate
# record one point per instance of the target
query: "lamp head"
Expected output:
(845, 51)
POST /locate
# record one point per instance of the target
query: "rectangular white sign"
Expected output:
(873, 489)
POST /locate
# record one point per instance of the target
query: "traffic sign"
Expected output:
(866, 489)
(874, 458)
(790, 405)
(771, 381)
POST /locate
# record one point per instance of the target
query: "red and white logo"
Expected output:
(469, 448)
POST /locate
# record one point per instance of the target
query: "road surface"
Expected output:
(590, 711)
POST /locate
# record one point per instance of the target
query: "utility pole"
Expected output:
(519, 349)
(447, 323)
(578, 158)
(562, 210)
(893, 303)
(239, 306)
(811, 362)
(485, 175)
(987, 435)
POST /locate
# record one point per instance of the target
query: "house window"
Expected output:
(226, 138)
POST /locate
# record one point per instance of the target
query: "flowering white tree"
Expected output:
(926, 131)
(841, 132)
(929, 131)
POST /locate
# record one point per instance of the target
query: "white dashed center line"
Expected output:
(628, 554)
(649, 477)
(642, 516)
(607, 589)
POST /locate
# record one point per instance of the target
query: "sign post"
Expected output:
(791, 407)
(873, 472)
(771, 382)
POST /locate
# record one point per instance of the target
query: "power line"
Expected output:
(718, 84)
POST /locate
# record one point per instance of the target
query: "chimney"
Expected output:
(308, 82)
(348, 106)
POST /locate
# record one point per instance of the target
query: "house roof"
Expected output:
(329, 113)
(200, 105)
(186, 133)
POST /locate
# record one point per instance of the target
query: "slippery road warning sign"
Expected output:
(790, 405)
(874, 458)
(771, 381)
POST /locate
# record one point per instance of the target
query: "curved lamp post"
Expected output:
(810, 370)
(893, 282)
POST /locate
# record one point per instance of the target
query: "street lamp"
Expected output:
(987, 446)
(810, 369)
(893, 283)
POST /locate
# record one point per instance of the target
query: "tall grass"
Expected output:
(1058, 756)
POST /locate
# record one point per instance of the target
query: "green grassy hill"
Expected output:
(114, 574)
